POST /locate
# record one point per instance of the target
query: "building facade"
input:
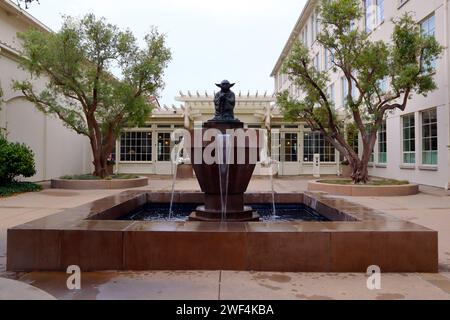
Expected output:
(413, 145)
(58, 151)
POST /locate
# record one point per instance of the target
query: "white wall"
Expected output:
(58, 151)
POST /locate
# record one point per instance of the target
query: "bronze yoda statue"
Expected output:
(225, 102)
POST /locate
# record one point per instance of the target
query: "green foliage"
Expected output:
(100, 80)
(12, 188)
(15, 160)
(403, 65)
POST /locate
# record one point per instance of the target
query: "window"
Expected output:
(429, 138)
(313, 28)
(331, 93)
(305, 36)
(409, 139)
(344, 91)
(329, 57)
(372, 155)
(428, 27)
(291, 147)
(315, 143)
(374, 14)
(136, 147)
(317, 61)
(317, 24)
(164, 147)
(353, 138)
(382, 144)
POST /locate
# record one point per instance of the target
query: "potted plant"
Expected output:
(111, 162)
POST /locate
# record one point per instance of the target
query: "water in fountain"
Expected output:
(224, 154)
(268, 162)
(272, 173)
(176, 158)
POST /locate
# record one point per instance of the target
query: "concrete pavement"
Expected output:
(430, 209)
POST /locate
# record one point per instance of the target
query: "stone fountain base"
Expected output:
(248, 215)
(236, 211)
(90, 237)
(244, 152)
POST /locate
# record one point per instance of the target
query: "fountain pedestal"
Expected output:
(239, 172)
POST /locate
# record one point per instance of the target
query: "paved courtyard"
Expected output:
(431, 208)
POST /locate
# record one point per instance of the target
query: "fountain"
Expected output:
(224, 180)
(299, 232)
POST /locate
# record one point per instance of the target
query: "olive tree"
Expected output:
(381, 77)
(25, 2)
(99, 79)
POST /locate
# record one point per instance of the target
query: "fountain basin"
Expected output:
(225, 181)
(91, 237)
(157, 212)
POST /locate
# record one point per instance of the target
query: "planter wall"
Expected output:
(99, 184)
(364, 191)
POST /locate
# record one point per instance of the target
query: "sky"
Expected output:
(211, 40)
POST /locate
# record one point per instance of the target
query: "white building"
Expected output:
(415, 144)
(58, 151)
(147, 150)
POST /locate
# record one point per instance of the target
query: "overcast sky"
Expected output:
(211, 40)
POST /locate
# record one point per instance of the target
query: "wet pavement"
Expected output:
(430, 209)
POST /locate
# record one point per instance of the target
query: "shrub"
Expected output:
(15, 160)
(12, 188)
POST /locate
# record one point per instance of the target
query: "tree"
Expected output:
(82, 91)
(381, 77)
(25, 2)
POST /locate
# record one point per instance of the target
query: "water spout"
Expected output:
(223, 158)
(272, 174)
(176, 160)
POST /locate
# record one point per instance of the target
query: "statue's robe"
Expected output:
(225, 103)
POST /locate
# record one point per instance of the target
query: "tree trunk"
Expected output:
(360, 172)
(100, 165)
(101, 160)
(100, 149)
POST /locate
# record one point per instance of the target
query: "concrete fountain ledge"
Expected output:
(99, 184)
(90, 237)
(364, 191)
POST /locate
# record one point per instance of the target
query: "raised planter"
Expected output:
(99, 184)
(364, 191)
(185, 171)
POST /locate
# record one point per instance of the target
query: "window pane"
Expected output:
(315, 143)
(291, 147)
(382, 144)
(409, 141)
(136, 146)
(429, 137)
